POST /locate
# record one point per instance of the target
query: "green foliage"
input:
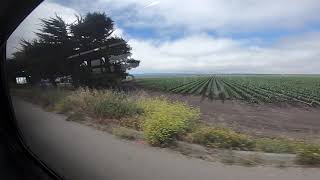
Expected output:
(102, 103)
(160, 120)
(164, 121)
(45, 57)
(94, 31)
(277, 145)
(220, 138)
(64, 105)
(167, 83)
(115, 107)
(250, 88)
(309, 155)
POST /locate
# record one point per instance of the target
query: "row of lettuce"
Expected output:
(249, 88)
(162, 121)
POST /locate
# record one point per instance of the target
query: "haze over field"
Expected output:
(207, 36)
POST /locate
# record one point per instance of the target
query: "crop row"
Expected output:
(263, 89)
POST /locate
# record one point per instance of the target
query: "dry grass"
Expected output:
(161, 121)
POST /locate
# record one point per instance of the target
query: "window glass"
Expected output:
(107, 89)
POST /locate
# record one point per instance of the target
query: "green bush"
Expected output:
(64, 105)
(102, 103)
(309, 155)
(164, 121)
(277, 145)
(115, 108)
(220, 138)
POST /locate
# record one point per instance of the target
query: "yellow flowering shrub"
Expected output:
(163, 121)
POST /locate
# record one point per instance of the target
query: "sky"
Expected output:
(203, 36)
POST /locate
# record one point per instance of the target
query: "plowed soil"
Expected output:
(271, 120)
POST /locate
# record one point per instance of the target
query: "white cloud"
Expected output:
(154, 3)
(196, 51)
(218, 15)
(31, 24)
(201, 53)
(204, 54)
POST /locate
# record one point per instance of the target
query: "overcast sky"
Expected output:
(203, 36)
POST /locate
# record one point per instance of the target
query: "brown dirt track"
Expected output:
(262, 120)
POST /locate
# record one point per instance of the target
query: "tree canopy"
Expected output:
(48, 55)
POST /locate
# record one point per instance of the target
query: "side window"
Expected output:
(170, 89)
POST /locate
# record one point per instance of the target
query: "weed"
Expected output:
(76, 116)
(309, 155)
(164, 121)
(276, 145)
(126, 133)
(221, 138)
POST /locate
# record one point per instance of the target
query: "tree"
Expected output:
(95, 31)
(27, 60)
(46, 57)
(56, 44)
(91, 31)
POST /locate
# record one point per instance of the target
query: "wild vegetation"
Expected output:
(161, 121)
(251, 88)
(220, 138)
(164, 121)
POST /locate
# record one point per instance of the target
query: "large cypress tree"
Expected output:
(56, 44)
(94, 30)
(46, 56)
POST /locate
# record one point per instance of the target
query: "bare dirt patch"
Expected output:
(256, 119)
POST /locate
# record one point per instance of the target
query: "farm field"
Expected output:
(264, 105)
(299, 89)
